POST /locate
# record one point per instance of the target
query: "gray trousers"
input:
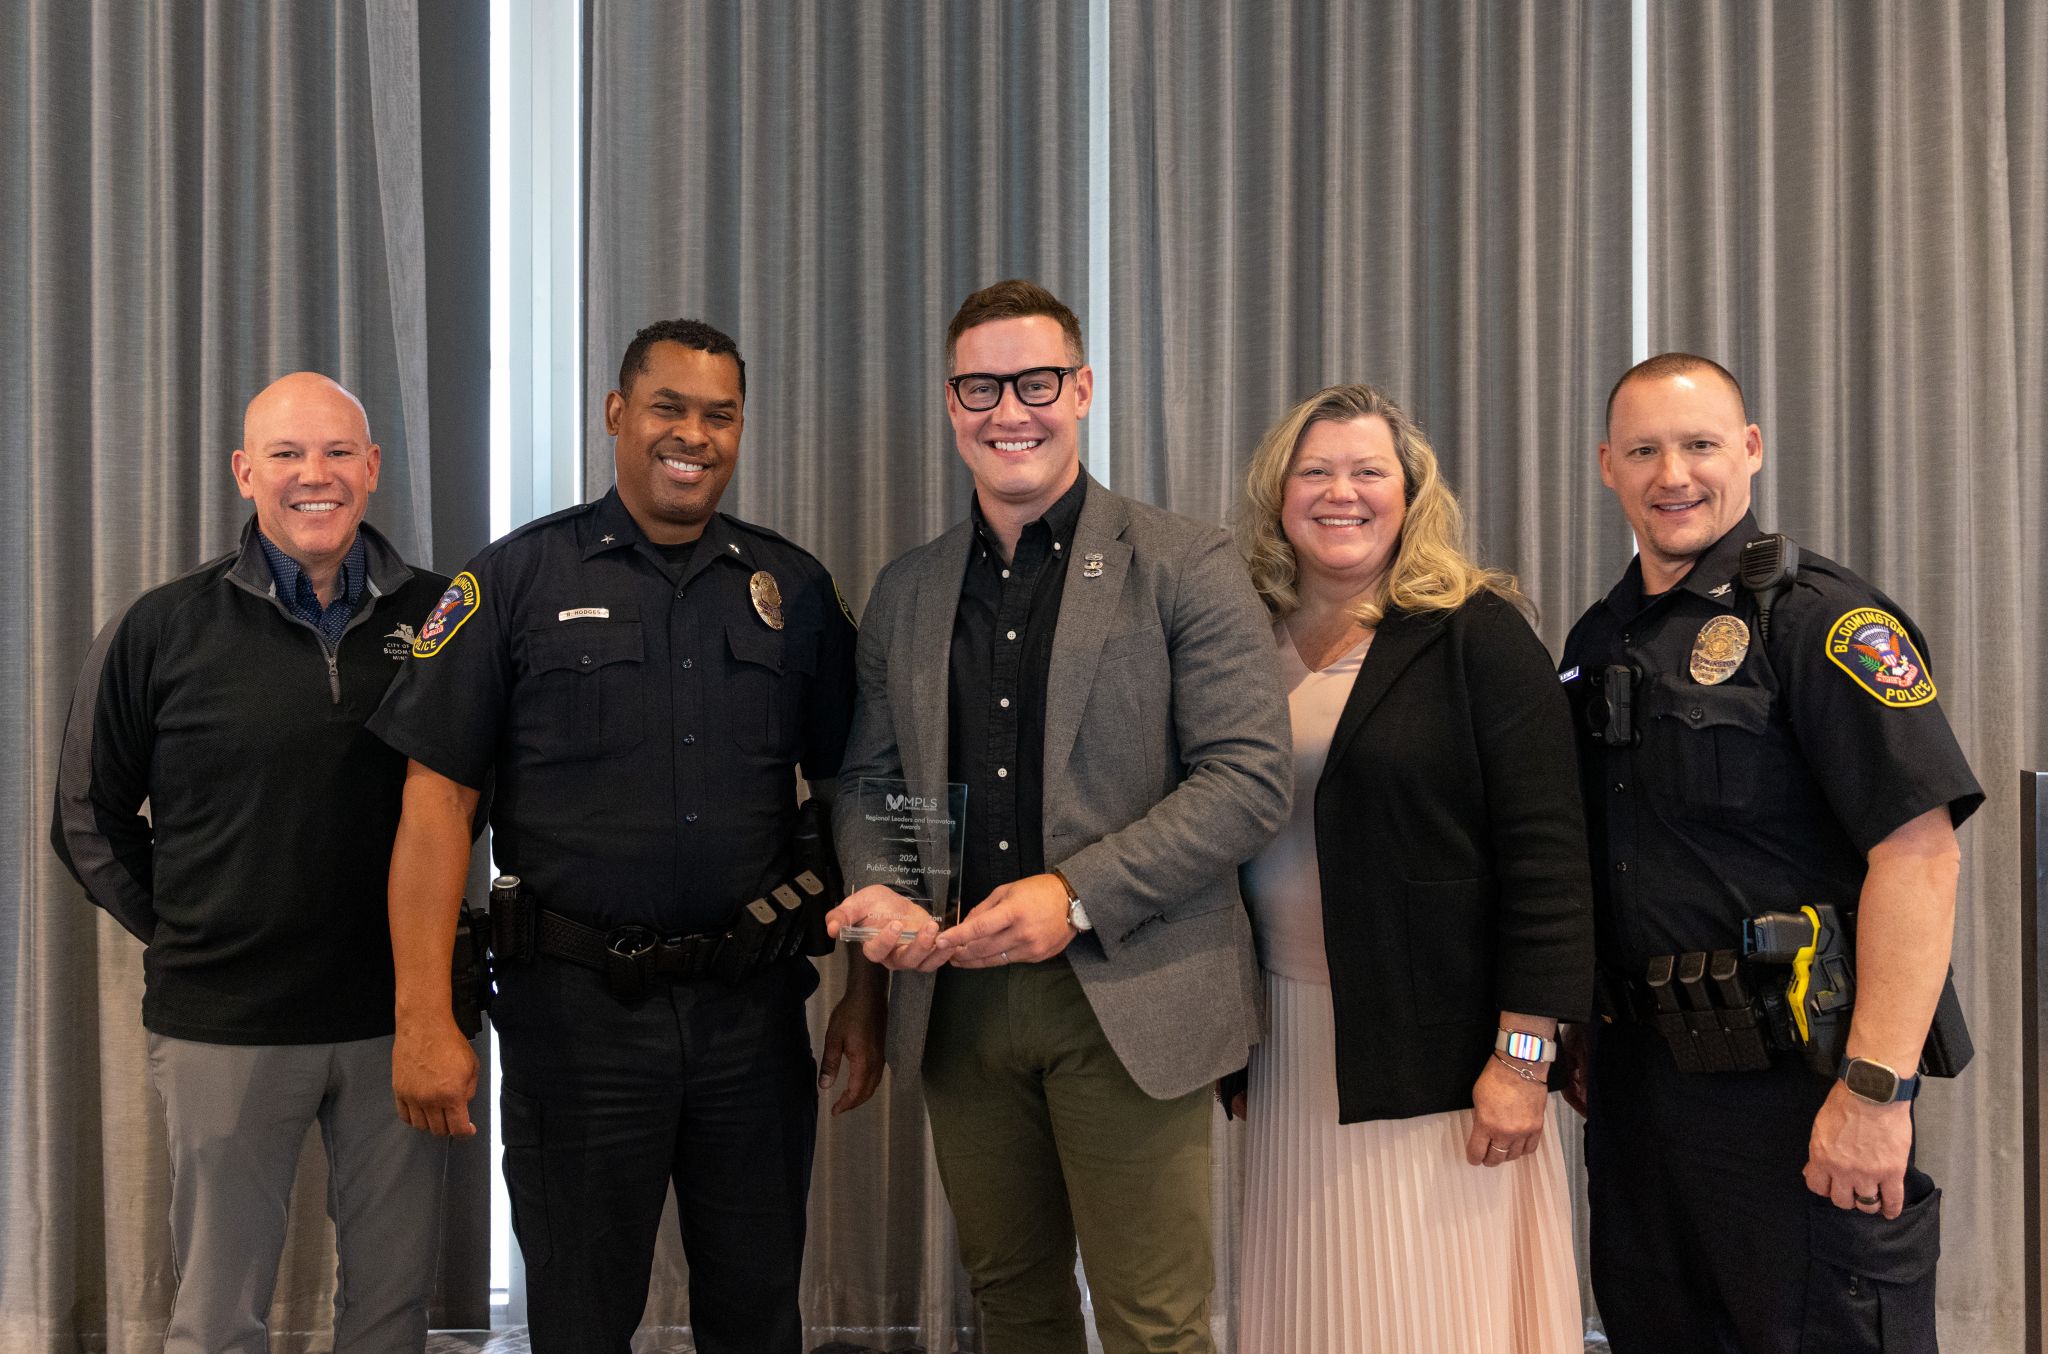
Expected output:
(237, 1117)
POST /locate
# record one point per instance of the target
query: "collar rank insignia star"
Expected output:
(1721, 591)
(1718, 650)
(1091, 564)
(607, 539)
(767, 598)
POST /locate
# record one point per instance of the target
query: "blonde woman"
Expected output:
(1424, 921)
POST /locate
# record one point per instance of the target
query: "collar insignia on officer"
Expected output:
(1718, 650)
(1721, 591)
(607, 539)
(767, 598)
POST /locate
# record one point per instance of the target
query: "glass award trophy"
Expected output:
(917, 841)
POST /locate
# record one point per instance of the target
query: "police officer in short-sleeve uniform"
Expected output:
(635, 679)
(1763, 775)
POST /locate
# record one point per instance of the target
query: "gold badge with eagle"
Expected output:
(1718, 650)
(767, 598)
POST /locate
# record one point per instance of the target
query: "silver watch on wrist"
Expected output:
(1528, 1048)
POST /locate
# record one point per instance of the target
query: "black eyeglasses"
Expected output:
(983, 390)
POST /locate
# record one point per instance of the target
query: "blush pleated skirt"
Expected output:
(1378, 1238)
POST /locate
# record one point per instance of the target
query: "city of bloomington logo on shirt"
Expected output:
(1871, 646)
(457, 605)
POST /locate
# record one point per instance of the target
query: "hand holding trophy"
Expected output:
(910, 878)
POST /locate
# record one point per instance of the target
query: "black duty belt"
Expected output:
(631, 958)
(1791, 988)
(787, 920)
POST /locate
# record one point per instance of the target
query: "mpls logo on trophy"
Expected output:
(918, 847)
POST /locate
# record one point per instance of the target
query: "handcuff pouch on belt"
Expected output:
(1791, 989)
(786, 920)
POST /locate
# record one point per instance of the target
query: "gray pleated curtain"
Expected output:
(1430, 197)
(193, 198)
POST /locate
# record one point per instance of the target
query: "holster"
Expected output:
(470, 976)
(1948, 1049)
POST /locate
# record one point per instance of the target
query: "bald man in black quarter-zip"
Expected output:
(232, 700)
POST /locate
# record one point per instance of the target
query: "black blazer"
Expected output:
(1452, 848)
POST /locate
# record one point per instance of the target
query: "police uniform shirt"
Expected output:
(641, 719)
(1758, 783)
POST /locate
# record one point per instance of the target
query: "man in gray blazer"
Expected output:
(1100, 676)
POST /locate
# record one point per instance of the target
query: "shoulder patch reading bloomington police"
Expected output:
(457, 605)
(1871, 646)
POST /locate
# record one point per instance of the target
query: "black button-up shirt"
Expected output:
(642, 719)
(1763, 791)
(1002, 650)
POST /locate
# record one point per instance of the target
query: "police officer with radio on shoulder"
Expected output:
(637, 678)
(1760, 737)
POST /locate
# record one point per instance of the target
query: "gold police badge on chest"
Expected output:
(767, 598)
(1718, 650)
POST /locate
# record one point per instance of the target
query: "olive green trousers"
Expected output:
(1044, 1140)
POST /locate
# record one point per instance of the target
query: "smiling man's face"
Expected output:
(1680, 458)
(1021, 456)
(308, 464)
(676, 439)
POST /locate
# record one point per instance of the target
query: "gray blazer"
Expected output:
(1168, 760)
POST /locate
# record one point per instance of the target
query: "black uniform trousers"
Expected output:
(707, 1084)
(1705, 1237)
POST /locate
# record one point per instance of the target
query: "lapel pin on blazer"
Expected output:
(1091, 564)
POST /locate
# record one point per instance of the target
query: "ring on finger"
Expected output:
(1866, 1200)
(1496, 1147)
